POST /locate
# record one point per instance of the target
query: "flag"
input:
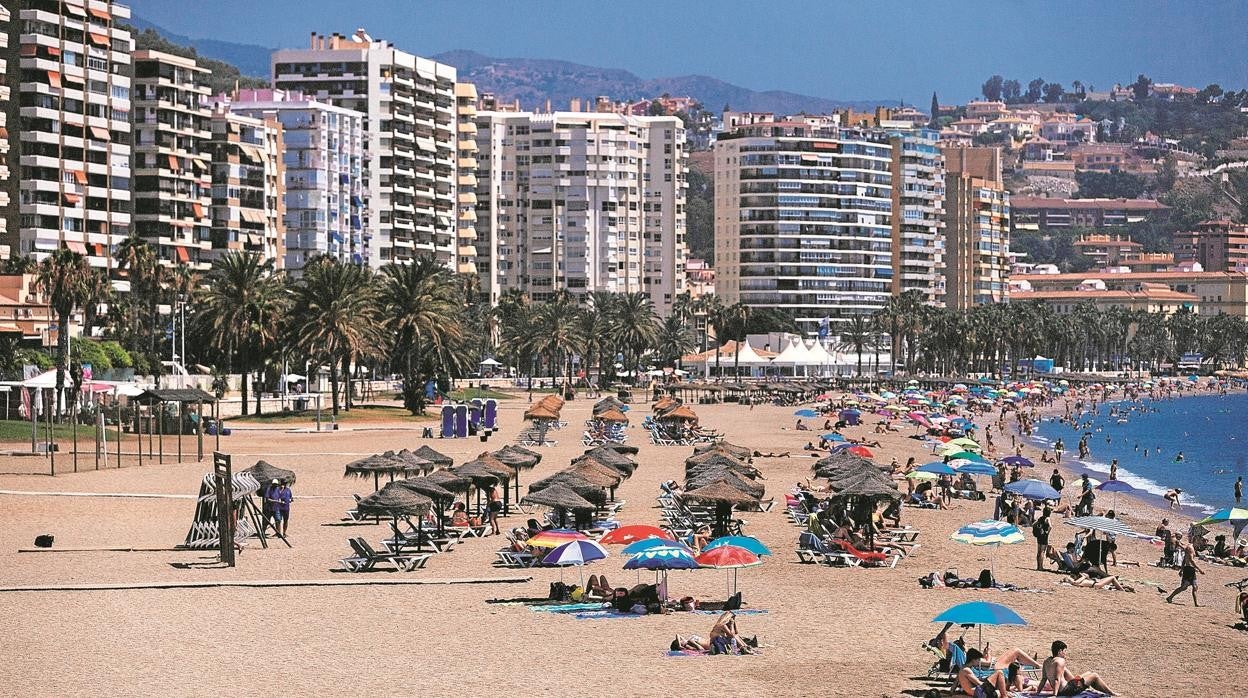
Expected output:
(25, 402)
(824, 327)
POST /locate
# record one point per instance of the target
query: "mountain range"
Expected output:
(534, 80)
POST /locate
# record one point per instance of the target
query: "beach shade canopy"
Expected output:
(575, 552)
(1114, 486)
(860, 450)
(733, 449)
(631, 534)
(720, 492)
(394, 500)
(427, 487)
(988, 532)
(611, 415)
(421, 464)
(1017, 460)
(832, 436)
(868, 487)
(965, 455)
(557, 496)
(806, 413)
(514, 458)
(713, 456)
(596, 495)
(554, 538)
(618, 468)
(540, 411)
(976, 468)
(1033, 489)
(651, 543)
(596, 473)
(438, 459)
(980, 613)
(537, 457)
(727, 557)
(705, 478)
(967, 443)
(938, 468)
(663, 557)
(683, 412)
(448, 480)
(265, 473)
(1103, 524)
(611, 457)
(750, 543)
(1234, 515)
(918, 475)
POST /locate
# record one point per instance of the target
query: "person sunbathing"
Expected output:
(598, 589)
(1087, 581)
(969, 684)
(726, 638)
(1057, 676)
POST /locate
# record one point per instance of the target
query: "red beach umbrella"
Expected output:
(631, 534)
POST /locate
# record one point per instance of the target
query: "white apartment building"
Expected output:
(803, 220)
(466, 184)
(248, 207)
(581, 202)
(5, 95)
(410, 109)
(171, 178)
(73, 149)
(325, 182)
(918, 222)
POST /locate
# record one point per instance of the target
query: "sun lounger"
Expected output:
(513, 558)
(355, 515)
(366, 558)
(810, 548)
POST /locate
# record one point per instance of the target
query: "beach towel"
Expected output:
(739, 612)
(569, 607)
(702, 653)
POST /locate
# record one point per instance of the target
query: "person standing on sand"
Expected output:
(1187, 573)
(1239, 489)
(1040, 531)
(495, 506)
(1056, 481)
(1113, 469)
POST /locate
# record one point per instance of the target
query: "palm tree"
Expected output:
(856, 333)
(675, 340)
(334, 317)
(634, 327)
(714, 308)
(65, 277)
(557, 333)
(737, 319)
(240, 311)
(137, 260)
(424, 311)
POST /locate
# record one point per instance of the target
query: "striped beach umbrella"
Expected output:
(1103, 524)
(989, 532)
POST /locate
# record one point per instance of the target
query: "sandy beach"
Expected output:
(825, 631)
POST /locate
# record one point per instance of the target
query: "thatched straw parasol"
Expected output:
(609, 402)
(733, 449)
(612, 415)
(611, 457)
(265, 473)
(623, 449)
(596, 473)
(704, 456)
(438, 459)
(725, 496)
(726, 476)
(620, 471)
(561, 498)
(395, 501)
(410, 456)
(595, 494)
(528, 452)
(439, 494)
(540, 411)
(448, 480)
(377, 465)
(516, 458)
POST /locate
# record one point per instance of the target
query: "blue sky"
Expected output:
(902, 49)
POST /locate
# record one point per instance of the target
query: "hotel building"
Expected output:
(581, 202)
(977, 228)
(324, 174)
(247, 185)
(803, 220)
(410, 110)
(69, 64)
(171, 177)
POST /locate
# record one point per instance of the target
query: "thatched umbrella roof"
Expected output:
(706, 456)
(552, 400)
(733, 449)
(410, 456)
(666, 402)
(558, 497)
(842, 457)
(612, 460)
(868, 486)
(515, 459)
(537, 457)
(504, 471)
(394, 500)
(720, 492)
(623, 449)
(719, 460)
(448, 480)
(427, 487)
(612, 415)
(621, 471)
(478, 473)
(596, 473)
(597, 494)
(438, 459)
(540, 411)
(726, 476)
(377, 464)
(266, 472)
(609, 402)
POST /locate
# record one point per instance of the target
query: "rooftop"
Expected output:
(1026, 202)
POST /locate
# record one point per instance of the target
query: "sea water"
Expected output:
(1211, 431)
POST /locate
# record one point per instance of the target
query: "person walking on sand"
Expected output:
(1187, 573)
(281, 507)
(1056, 481)
(495, 506)
(1239, 489)
(1040, 531)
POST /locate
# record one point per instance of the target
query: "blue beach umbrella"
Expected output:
(972, 467)
(750, 543)
(645, 544)
(1018, 460)
(806, 413)
(937, 467)
(832, 436)
(980, 613)
(662, 559)
(1033, 489)
(988, 532)
(575, 553)
(1237, 517)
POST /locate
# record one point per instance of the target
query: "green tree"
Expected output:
(1141, 87)
(424, 312)
(334, 316)
(855, 333)
(991, 89)
(64, 278)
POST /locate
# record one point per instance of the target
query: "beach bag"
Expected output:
(720, 645)
(44, 541)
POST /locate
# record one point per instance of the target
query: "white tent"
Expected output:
(819, 356)
(490, 362)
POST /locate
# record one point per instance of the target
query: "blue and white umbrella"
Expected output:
(989, 532)
(661, 559)
(806, 413)
(975, 468)
(1033, 489)
(575, 553)
(1104, 524)
(937, 468)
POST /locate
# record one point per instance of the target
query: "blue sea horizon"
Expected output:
(1209, 430)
